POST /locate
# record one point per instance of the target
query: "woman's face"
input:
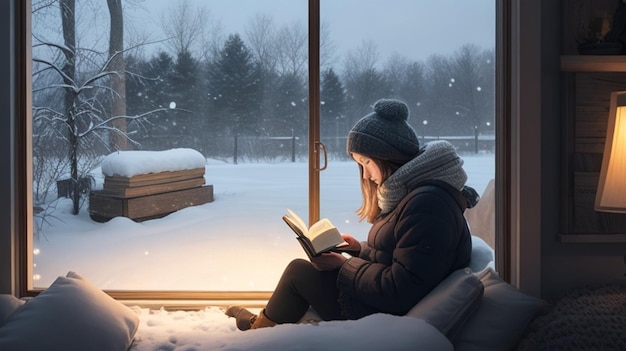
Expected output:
(370, 168)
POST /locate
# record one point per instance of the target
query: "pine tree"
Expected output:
(154, 92)
(158, 73)
(184, 94)
(134, 84)
(333, 96)
(289, 107)
(234, 89)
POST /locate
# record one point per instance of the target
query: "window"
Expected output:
(254, 131)
(444, 70)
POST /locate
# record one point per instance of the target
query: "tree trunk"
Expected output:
(117, 139)
(69, 69)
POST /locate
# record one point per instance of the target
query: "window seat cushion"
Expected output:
(72, 314)
(502, 318)
(451, 303)
(9, 304)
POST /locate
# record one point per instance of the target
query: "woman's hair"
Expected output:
(369, 209)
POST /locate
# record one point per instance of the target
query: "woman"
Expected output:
(413, 198)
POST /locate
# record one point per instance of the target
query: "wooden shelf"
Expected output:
(593, 63)
(592, 238)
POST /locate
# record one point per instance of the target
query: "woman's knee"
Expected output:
(299, 265)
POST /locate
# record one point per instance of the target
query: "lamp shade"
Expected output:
(611, 194)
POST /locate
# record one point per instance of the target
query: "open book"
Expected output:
(321, 237)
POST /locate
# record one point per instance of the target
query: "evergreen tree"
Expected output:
(332, 111)
(268, 83)
(157, 74)
(234, 89)
(154, 91)
(136, 102)
(135, 85)
(185, 84)
(289, 107)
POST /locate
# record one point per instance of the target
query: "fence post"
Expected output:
(293, 148)
(476, 139)
(235, 151)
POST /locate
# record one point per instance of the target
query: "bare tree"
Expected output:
(261, 39)
(364, 58)
(364, 82)
(68, 19)
(396, 68)
(436, 106)
(289, 45)
(184, 26)
(328, 55)
(86, 79)
(212, 38)
(293, 49)
(467, 87)
(118, 140)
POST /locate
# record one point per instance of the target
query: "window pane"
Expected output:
(231, 84)
(436, 56)
(227, 79)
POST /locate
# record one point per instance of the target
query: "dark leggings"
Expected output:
(301, 286)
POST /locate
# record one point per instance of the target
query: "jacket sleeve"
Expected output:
(422, 251)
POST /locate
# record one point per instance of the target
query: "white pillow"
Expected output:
(451, 303)
(378, 331)
(501, 319)
(71, 314)
(9, 304)
(482, 255)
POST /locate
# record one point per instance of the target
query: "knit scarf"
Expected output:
(438, 160)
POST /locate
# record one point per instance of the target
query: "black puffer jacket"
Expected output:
(407, 253)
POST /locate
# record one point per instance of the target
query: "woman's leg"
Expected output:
(301, 286)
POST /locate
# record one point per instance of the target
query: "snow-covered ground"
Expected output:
(237, 242)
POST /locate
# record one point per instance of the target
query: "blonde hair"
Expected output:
(369, 209)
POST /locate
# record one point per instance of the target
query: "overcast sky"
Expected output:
(413, 28)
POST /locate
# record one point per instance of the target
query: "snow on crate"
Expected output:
(132, 163)
(143, 185)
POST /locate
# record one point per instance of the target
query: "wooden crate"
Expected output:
(154, 183)
(149, 196)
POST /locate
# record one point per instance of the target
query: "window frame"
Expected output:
(17, 156)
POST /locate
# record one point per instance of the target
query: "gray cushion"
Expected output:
(451, 303)
(501, 319)
(9, 304)
(71, 314)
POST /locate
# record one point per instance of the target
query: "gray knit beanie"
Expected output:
(385, 134)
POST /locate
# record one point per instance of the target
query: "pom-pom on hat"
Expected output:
(385, 134)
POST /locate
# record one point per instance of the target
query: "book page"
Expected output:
(324, 235)
(292, 224)
(319, 227)
(321, 237)
(295, 219)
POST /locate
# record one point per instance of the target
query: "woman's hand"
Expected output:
(328, 261)
(353, 244)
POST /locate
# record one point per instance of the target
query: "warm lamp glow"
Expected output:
(611, 195)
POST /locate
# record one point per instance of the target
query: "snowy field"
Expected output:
(237, 242)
